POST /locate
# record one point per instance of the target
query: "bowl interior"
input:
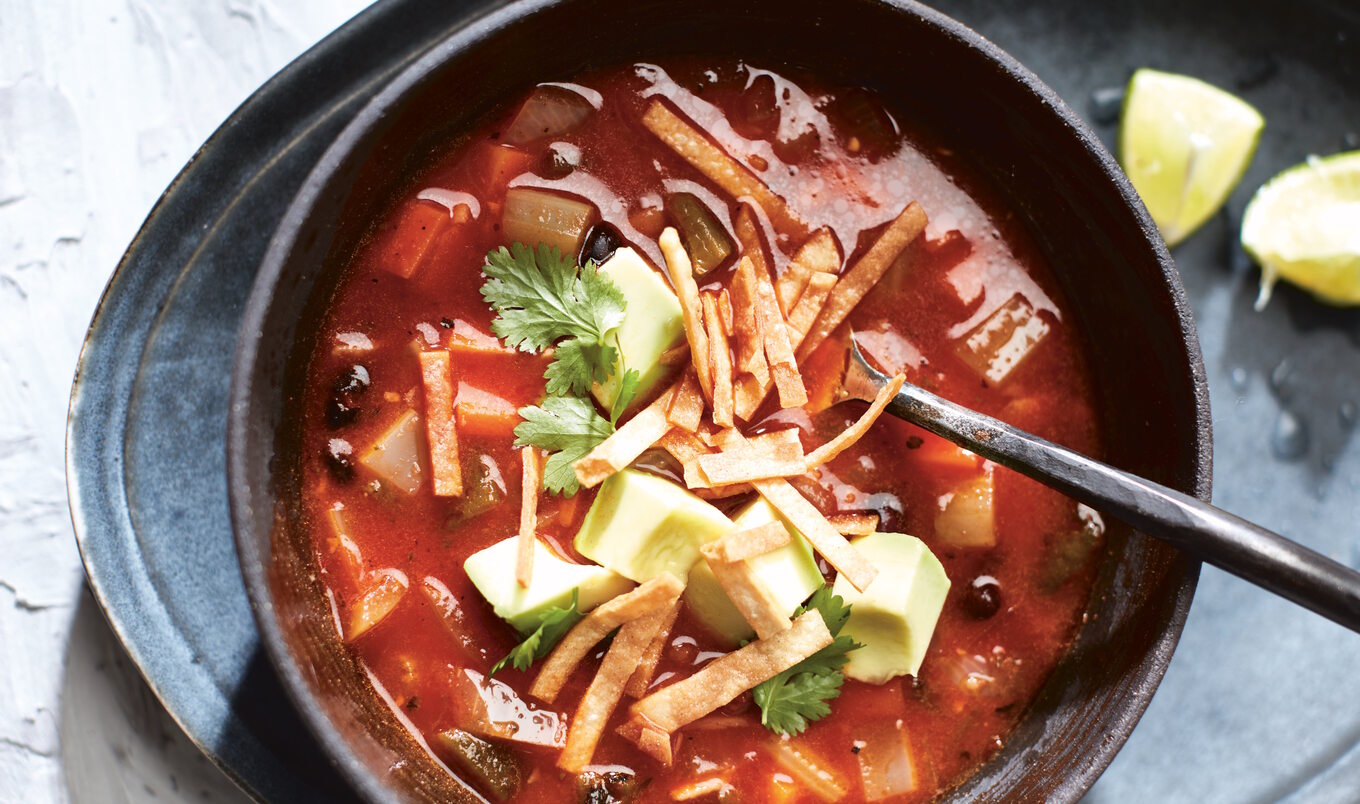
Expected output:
(1118, 279)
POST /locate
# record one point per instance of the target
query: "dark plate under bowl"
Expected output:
(1117, 276)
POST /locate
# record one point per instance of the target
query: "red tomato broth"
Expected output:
(973, 257)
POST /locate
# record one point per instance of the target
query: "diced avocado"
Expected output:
(790, 573)
(895, 617)
(492, 571)
(652, 323)
(642, 525)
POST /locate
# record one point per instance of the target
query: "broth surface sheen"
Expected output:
(839, 159)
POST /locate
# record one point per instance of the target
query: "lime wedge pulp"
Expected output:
(1304, 226)
(1185, 145)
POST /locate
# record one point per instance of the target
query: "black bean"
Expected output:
(343, 406)
(339, 456)
(601, 242)
(983, 597)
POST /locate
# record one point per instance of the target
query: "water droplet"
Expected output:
(1346, 415)
(1289, 440)
(1106, 104)
(1239, 378)
(1279, 378)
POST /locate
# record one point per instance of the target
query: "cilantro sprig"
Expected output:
(555, 624)
(542, 298)
(567, 427)
(800, 694)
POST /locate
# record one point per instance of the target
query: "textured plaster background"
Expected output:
(101, 103)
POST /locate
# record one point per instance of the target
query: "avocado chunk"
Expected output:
(642, 525)
(652, 324)
(492, 571)
(790, 573)
(895, 616)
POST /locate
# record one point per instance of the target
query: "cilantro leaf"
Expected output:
(566, 426)
(628, 388)
(799, 695)
(541, 297)
(555, 624)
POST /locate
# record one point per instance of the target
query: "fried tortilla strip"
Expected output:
(605, 690)
(649, 598)
(687, 406)
(823, 537)
(741, 545)
(750, 596)
(626, 444)
(723, 679)
(818, 254)
(856, 431)
(683, 446)
(646, 666)
(719, 362)
(778, 347)
(694, 147)
(774, 454)
(814, 297)
(748, 341)
(681, 272)
(856, 282)
(437, 377)
(854, 524)
(532, 474)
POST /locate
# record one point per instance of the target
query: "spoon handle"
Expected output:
(1229, 542)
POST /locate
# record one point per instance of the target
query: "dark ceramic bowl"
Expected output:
(1118, 278)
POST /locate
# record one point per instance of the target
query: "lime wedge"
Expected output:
(1185, 145)
(1304, 226)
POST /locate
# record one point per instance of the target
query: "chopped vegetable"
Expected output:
(729, 174)
(483, 490)
(799, 694)
(489, 708)
(493, 770)
(808, 769)
(615, 786)
(885, 763)
(550, 112)
(546, 219)
(966, 517)
(411, 238)
(861, 277)
(721, 680)
(1067, 552)
(997, 345)
(705, 239)
(482, 413)
(397, 456)
(542, 297)
(554, 585)
(642, 340)
(385, 590)
(682, 277)
(652, 596)
(446, 471)
(605, 690)
(553, 625)
(528, 515)
(498, 165)
(567, 427)
(625, 444)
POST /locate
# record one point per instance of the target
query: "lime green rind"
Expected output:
(1185, 145)
(1303, 226)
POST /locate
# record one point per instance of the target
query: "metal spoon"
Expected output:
(1210, 534)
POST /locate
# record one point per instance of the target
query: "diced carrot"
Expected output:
(482, 413)
(410, 238)
(941, 453)
(499, 164)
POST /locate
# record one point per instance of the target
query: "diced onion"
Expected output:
(551, 111)
(534, 216)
